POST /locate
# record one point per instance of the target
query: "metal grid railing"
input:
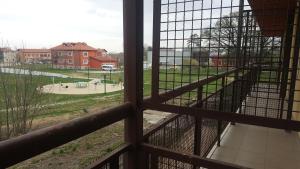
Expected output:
(200, 39)
(197, 40)
(214, 55)
(211, 58)
(176, 134)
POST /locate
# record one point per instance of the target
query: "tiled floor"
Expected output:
(259, 147)
(264, 101)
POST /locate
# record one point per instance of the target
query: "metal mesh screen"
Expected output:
(177, 134)
(219, 41)
(197, 40)
(200, 39)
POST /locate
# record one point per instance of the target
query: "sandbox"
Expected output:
(92, 87)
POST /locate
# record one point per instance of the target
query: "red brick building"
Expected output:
(102, 58)
(34, 55)
(222, 61)
(79, 56)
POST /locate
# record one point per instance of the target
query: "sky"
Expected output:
(99, 23)
(48, 23)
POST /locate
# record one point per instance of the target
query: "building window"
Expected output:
(70, 53)
(70, 61)
(85, 61)
(85, 54)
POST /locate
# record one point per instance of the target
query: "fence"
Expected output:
(210, 58)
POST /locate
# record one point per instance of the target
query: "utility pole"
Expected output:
(110, 74)
(88, 67)
(105, 84)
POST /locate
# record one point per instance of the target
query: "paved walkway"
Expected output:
(259, 147)
(92, 87)
(35, 73)
(264, 101)
(99, 71)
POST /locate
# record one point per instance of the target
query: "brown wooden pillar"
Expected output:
(198, 126)
(133, 75)
(286, 60)
(156, 49)
(294, 66)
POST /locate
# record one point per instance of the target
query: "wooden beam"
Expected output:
(20, 148)
(188, 158)
(227, 116)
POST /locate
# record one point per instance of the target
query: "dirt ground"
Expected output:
(79, 153)
(92, 87)
(82, 152)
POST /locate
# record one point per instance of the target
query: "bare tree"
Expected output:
(222, 38)
(223, 35)
(21, 97)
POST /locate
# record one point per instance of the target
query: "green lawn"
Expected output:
(56, 105)
(81, 152)
(169, 78)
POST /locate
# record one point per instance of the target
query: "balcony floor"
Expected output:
(259, 147)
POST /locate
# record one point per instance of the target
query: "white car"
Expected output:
(108, 67)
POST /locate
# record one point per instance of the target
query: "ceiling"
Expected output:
(272, 15)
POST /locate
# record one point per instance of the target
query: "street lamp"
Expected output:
(104, 83)
(88, 67)
(110, 74)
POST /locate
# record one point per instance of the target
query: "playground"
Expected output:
(95, 86)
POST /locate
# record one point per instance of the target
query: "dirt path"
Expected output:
(92, 87)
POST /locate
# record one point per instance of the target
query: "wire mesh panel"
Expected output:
(116, 163)
(166, 163)
(198, 39)
(176, 135)
(215, 54)
(203, 38)
(263, 98)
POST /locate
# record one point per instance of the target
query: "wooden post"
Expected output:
(198, 126)
(133, 76)
(114, 164)
(221, 109)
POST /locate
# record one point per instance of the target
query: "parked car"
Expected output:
(108, 67)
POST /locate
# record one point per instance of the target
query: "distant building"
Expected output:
(80, 56)
(169, 57)
(119, 57)
(221, 60)
(8, 56)
(102, 58)
(175, 58)
(35, 56)
(72, 55)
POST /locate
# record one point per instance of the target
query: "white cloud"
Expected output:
(46, 23)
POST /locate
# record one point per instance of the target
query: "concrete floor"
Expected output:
(259, 147)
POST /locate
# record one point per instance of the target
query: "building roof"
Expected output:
(79, 46)
(104, 58)
(34, 50)
(272, 15)
(5, 50)
(101, 50)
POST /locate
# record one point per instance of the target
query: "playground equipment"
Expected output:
(81, 84)
(95, 86)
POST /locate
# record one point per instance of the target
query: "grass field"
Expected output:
(59, 108)
(68, 104)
